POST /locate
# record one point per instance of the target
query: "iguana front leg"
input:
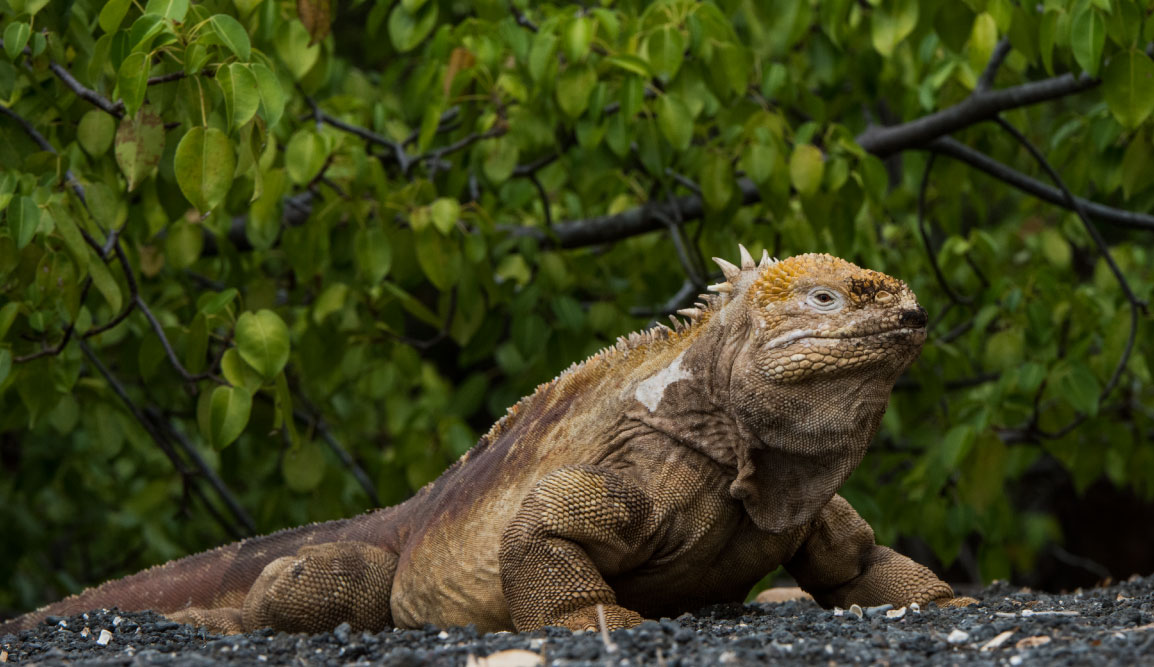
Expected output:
(840, 564)
(319, 588)
(577, 525)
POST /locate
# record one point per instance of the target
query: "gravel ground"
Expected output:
(1103, 626)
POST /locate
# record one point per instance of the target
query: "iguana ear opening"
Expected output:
(781, 491)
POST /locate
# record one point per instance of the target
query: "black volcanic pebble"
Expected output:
(1102, 626)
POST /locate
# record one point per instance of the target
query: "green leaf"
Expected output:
(8, 313)
(1081, 389)
(95, 132)
(169, 9)
(219, 301)
(1128, 86)
(408, 29)
(665, 49)
(445, 212)
(233, 34)
(105, 283)
(139, 145)
(272, 96)
(263, 341)
(204, 166)
(242, 95)
(1087, 37)
(1047, 33)
(439, 258)
(372, 253)
(805, 168)
(5, 364)
(500, 160)
(184, 243)
(23, 219)
(716, 178)
(630, 63)
(1137, 170)
(304, 467)
(112, 14)
(675, 121)
(542, 55)
(758, 161)
(305, 155)
(983, 40)
(66, 227)
(578, 36)
(891, 23)
(132, 81)
(574, 87)
(292, 45)
(16, 38)
(238, 373)
(229, 410)
(330, 301)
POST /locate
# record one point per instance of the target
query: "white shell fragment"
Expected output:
(957, 636)
(104, 638)
(896, 613)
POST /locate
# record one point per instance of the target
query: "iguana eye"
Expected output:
(824, 299)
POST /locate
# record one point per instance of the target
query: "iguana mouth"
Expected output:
(795, 336)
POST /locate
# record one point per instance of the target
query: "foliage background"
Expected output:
(268, 262)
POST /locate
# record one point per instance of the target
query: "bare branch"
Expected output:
(1137, 307)
(187, 475)
(986, 80)
(979, 107)
(959, 151)
(930, 254)
(87, 94)
(403, 160)
(522, 20)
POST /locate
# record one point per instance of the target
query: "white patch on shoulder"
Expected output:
(652, 390)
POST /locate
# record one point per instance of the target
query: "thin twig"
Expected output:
(346, 459)
(544, 198)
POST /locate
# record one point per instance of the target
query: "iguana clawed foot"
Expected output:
(587, 618)
(954, 602)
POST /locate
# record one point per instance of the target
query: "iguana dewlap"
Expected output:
(673, 470)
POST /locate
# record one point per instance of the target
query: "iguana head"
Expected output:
(817, 315)
(810, 349)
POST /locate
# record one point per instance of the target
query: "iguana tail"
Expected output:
(217, 578)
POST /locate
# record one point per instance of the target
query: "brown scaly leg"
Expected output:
(578, 524)
(839, 564)
(316, 590)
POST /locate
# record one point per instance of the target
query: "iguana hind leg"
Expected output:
(577, 525)
(319, 588)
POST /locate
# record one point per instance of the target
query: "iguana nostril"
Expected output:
(914, 318)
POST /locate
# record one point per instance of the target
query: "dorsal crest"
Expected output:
(737, 279)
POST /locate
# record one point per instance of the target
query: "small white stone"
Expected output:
(915, 607)
(896, 613)
(957, 636)
(104, 638)
(838, 611)
(85, 632)
(1015, 660)
(442, 635)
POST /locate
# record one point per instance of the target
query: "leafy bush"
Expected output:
(270, 262)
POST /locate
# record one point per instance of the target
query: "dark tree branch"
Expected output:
(1137, 307)
(982, 162)
(544, 198)
(645, 218)
(187, 475)
(986, 80)
(403, 160)
(930, 254)
(342, 454)
(979, 107)
(521, 19)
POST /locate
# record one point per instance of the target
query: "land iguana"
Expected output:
(672, 470)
